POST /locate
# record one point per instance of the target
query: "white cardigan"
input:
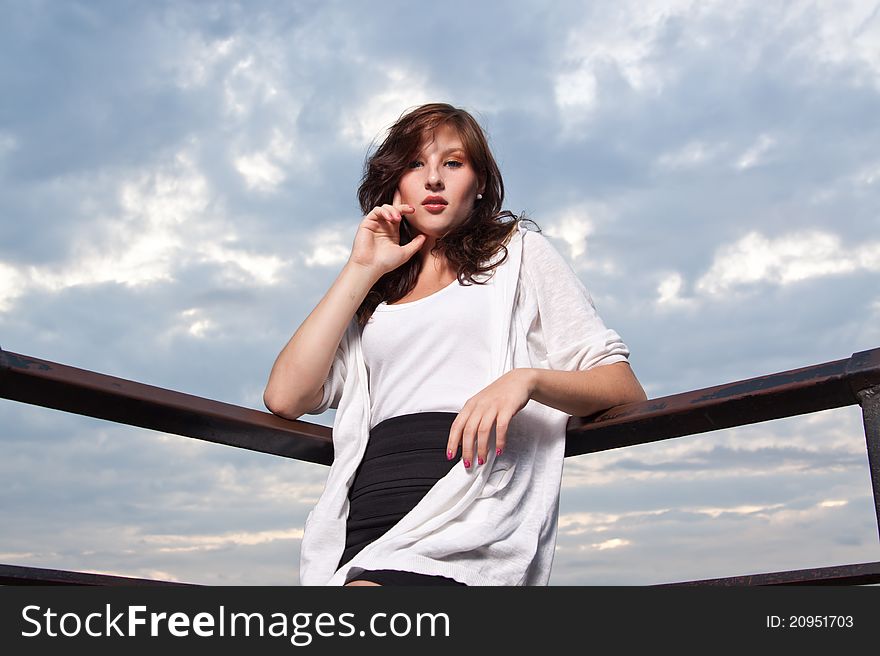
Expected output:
(495, 524)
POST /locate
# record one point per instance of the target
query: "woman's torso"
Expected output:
(428, 354)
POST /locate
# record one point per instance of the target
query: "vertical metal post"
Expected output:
(869, 399)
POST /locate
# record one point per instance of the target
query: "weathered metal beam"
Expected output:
(57, 386)
(857, 574)
(785, 394)
(19, 575)
(870, 400)
(799, 391)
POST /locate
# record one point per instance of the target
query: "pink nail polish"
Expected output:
(449, 454)
(480, 461)
(497, 452)
(467, 464)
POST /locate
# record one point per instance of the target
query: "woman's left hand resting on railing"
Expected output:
(579, 393)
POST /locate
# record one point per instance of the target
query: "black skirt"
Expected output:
(404, 458)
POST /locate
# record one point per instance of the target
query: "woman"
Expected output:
(448, 329)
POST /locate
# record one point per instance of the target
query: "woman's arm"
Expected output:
(579, 393)
(583, 393)
(587, 368)
(295, 382)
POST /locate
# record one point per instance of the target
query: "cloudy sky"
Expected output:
(177, 192)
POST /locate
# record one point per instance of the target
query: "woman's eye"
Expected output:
(456, 164)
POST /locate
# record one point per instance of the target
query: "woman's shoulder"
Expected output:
(538, 251)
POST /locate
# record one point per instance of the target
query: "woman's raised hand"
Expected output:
(377, 242)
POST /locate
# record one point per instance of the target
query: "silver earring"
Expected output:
(479, 196)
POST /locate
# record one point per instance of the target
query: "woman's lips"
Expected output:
(434, 203)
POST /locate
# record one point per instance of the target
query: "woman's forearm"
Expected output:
(304, 364)
(583, 393)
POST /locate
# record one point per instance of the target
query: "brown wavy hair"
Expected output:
(469, 246)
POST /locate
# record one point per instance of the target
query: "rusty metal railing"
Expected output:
(851, 381)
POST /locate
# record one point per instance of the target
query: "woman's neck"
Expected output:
(435, 266)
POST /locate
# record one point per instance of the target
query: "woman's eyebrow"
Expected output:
(451, 150)
(457, 149)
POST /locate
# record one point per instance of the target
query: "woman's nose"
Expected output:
(434, 178)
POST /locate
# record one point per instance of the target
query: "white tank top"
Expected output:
(428, 355)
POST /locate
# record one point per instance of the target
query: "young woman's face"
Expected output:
(441, 169)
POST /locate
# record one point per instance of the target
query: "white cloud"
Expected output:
(622, 35)
(141, 245)
(756, 153)
(624, 40)
(669, 292)
(793, 440)
(787, 259)
(201, 58)
(578, 523)
(19, 556)
(264, 170)
(259, 172)
(573, 225)
(166, 221)
(253, 73)
(246, 267)
(845, 34)
(576, 89)
(626, 35)
(13, 283)
(614, 543)
(329, 247)
(781, 515)
(251, 82)
(255, 85)
(717, 512)
(193, 322)
(185, 543)
(868, 175)
(691, 155)
(857, 183)
(756, 259)
(368, 119)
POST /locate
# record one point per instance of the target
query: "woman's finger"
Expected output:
(484, 430)
(378, 213)
(455, 435)
(501, 424)
(403, 208)
(468, 440)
